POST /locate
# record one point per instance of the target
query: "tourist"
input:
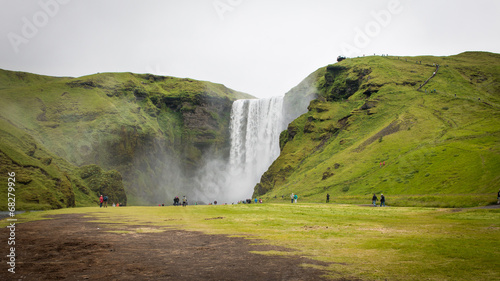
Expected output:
(382, 200)
(295, 197)
(100, 201)
(184, 201)
(105, 200)
(327, 197)
(374, 200)
(292, 197)
(498, 197)
(256, 200)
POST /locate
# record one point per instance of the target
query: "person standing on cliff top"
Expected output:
(101, 199)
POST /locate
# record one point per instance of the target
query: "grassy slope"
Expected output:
(360, 242)
(116, 120)
(439, 150)
(43, 180)
(49, 108)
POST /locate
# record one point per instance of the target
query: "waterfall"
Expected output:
(255, 130)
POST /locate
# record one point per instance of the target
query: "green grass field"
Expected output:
(361, 242)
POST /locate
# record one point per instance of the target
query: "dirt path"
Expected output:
(70, 247)
(429, 79)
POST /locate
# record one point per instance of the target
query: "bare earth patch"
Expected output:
(69, 247)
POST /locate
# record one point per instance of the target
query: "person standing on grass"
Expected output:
(498, 197)
(101, 199)
(295, 197)
(382, 200)
(327, 197)
(184, 201)
(291, 197)
(374, 200)
(105, 200)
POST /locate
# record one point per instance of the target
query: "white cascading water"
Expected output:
(255, 130)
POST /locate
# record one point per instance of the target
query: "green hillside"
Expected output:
(440, 145)
(139, 129)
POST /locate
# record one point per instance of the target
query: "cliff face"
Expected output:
(371, 131)
(154, 131)
(42, 180)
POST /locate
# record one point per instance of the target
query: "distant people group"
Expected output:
(103, 202)
(249, 201)
(375, 199)
(177, 201)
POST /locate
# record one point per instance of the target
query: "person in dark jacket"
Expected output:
(327, 197)
(382, 200)
(374, 200)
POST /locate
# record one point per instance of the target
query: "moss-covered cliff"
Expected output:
(154, 131)
(371, 131)
(42, 179)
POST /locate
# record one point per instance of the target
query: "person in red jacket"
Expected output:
(101, 199)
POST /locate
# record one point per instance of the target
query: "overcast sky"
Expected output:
(261, 47)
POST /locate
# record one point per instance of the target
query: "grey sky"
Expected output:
(261, 47)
